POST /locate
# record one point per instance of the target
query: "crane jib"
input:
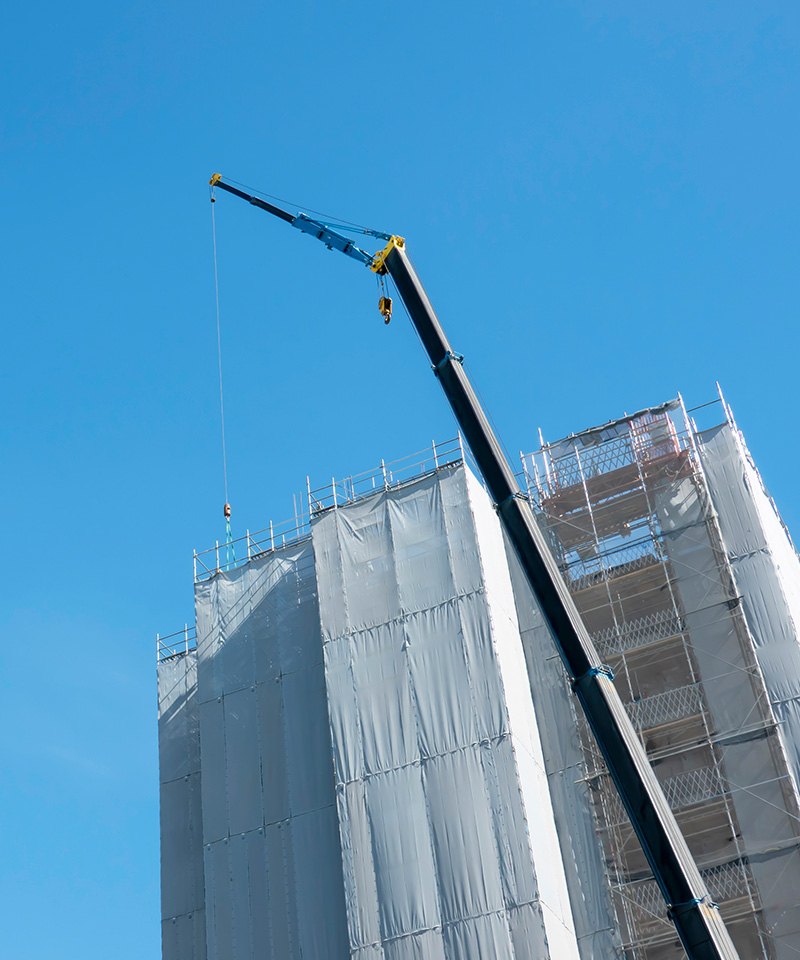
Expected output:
(690, 907)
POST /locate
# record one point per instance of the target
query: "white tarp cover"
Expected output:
(767, 574)
(273, 861)
(766, 571)
(447, 832)
(183, 931)
(583, 861)
(753, 762)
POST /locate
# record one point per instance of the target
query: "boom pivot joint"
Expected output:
(378, 264)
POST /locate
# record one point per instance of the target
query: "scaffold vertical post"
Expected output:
(383, 470)
(333, 490)
(435, 458)
(194, 562)
(271, 537)
(308, 492)
(186, 636)
(461, 445)
(247, 537)
(691, 431)
(545, 461)
(725, 408)
(216, 548)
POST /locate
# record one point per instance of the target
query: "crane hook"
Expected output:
(385, 307)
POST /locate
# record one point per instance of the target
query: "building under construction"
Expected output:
(689, 585)
(370, 748)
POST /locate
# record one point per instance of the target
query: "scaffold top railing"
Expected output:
(176, 644)
(645, 436)
(387, 475)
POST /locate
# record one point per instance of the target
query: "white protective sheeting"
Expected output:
(766, 572)
(581, 856)
(447, 833)
(744, 732)
(182, 882)
(273, 861)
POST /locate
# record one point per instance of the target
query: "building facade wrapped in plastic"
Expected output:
(371, 780)
(372, 749)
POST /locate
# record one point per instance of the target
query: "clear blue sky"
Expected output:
(601, 197)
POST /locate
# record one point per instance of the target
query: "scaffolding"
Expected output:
(628, 514)
(176, 644)
(633, 511)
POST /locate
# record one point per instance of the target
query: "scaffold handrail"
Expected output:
(176, 644)
(387, 475)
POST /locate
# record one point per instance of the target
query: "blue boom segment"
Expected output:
(331, 239)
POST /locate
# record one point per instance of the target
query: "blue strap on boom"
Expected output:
(603, 670)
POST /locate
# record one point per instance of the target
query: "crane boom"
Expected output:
(690, 906)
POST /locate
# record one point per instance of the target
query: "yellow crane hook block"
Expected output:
(385, 307)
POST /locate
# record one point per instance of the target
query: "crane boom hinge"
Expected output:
(378, 264)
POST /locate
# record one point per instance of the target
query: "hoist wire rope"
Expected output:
(219, 353)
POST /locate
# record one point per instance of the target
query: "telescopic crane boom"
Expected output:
(690, 906)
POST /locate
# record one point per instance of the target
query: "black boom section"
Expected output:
(695, 916)
(256, 201)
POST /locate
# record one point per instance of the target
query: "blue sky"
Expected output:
(601, 198)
